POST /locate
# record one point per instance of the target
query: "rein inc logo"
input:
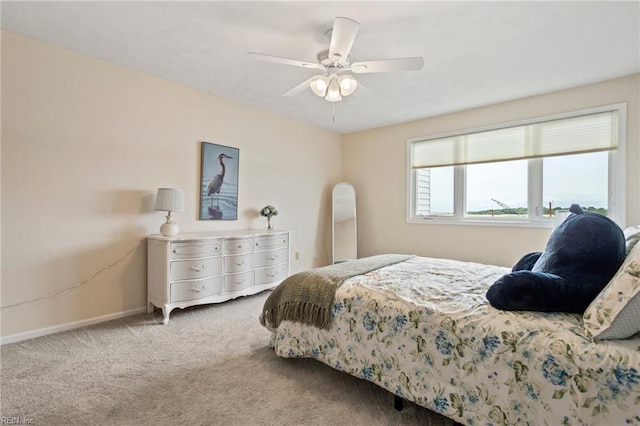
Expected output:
(15, 420)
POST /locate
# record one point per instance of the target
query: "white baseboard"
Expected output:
(70, 326)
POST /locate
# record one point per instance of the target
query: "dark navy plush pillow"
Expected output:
(580, 258)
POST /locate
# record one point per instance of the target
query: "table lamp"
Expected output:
(169, 200)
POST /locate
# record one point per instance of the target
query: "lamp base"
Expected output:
(169, 228)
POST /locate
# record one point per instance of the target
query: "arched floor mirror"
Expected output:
(344, 227)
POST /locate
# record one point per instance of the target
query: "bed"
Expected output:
(422, 329)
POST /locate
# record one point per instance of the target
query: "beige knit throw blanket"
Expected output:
(307, 297)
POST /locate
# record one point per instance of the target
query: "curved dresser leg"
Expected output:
(165, 313)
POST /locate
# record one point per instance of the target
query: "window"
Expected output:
(496, 189)
(521, 173)
(434, 191)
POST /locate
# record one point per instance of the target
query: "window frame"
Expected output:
(616, 208)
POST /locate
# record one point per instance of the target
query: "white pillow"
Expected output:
(615, 312)
(631, 237)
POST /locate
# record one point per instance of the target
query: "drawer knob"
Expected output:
(272, 274)
(198, 268)
(198, 290)
(240, 281)
(272, 257)
(241, 262)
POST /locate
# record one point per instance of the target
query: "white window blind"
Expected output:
(578, 134)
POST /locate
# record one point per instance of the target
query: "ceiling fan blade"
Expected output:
(342, 36)
(286, 61)
(388, 65)
(299, 88)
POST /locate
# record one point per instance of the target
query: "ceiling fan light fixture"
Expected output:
(348, 84)
(333, 92)
(319, 85)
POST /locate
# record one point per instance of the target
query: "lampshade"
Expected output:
(333, 92)
(319, 85)
(169, 200)
(347, 84)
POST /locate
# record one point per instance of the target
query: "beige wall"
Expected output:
(86, 143)
(375, 163)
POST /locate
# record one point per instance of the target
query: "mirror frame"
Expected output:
(335, 201)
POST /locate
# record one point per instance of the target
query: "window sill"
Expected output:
(548, 224)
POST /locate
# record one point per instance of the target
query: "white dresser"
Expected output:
(197, 268)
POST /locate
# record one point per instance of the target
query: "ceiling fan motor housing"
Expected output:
(341, 63)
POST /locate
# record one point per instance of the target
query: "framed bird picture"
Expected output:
(219, 182)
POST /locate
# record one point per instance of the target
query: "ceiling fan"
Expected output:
(335, 80)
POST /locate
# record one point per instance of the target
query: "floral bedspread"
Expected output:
(423, 330)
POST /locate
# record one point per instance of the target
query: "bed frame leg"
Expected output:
(398, 403)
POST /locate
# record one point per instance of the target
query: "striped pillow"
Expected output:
(631, 237)
(615, 312)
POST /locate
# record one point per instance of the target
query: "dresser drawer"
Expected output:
(197, 268)
(268, 242)
(190, 249)
(236, 282)
(238, 245)
(271, 274)
(195, 289)
(272, 257)
(241, 263)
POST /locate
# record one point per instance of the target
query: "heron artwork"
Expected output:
(216, 182)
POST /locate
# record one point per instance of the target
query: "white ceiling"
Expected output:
(476, 53)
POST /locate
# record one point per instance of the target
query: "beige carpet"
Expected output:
(211, 365)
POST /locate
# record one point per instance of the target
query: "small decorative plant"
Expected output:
(268, 212)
